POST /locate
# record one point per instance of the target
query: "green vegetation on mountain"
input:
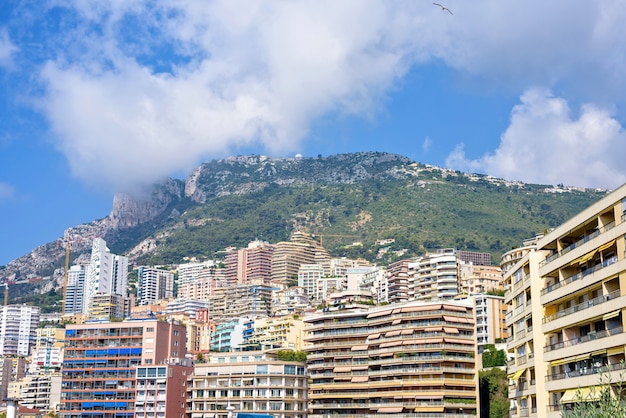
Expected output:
(421, 213)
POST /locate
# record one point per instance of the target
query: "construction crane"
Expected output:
(68, 246)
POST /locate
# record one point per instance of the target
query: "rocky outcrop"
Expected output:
(130, 211)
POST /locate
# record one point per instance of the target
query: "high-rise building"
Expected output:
(435, 276)
(47, 356)
(18, 327)
(475, 258)
(154, 284)
(308, 277)
(491, 314)
(42, 392)
(567, 320)
(99, 366)
(412, 359)
(479, 279)
(75, 289)
(248, 382)
(288, 256)
(398, 281)
(107, 274)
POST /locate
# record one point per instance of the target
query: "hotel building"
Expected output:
(568, 298)
(414, 359)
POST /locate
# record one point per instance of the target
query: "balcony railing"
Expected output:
(582, 306)
(579, 276)
(591, 336)
(586, 371)
(580, 242)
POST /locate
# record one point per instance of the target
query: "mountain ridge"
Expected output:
(342, 194)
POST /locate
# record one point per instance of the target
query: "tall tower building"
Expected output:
(154, 284)
(75, 290)
(18, 327)
(107, 274)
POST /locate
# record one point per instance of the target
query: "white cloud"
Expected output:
(188, 79)
(7, 49)
(427, 144)
(6, 191)
(545, 144)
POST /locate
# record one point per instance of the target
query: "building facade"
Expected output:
(99, 366)
(248, 382)
(154, 284)
(18, 328)
(568, 299)
(414, 359)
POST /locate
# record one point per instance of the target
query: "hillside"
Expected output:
(341, 199)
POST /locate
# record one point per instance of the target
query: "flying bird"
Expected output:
(443, 8)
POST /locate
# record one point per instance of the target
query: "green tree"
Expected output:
(493, 357)
(603, 401)
(494, 393)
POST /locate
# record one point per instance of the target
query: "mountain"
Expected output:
(341, 199)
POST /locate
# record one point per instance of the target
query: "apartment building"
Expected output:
(248, 382)
(161, 390)
(99, 366)
(248, 300)
(491, 314)
(278, 332)
(232, 335)
(479, 279)
(154, 284)
(18, 327)
(47, 356)
(41, 392)
(413, 359)
(435, 276)
(398, 281)
(74, 289)
(568, 325)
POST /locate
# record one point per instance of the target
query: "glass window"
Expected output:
(261, 369)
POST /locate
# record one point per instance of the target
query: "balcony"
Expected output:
(579, 276)
(589, 337)
(582, 306)
(586, 371)
(580, 242)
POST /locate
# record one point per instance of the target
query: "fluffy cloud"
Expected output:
(135, 91)
(546, 144)
(7, 49)
(6, 191)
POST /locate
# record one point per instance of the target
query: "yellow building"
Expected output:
(412, 359)
(566, 322)
(278, 332)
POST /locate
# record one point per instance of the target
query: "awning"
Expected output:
(611, 315)
(569, 360)
(454, 308)
(360, 379)
(391, 344)
(342, 369)
(392, 333)
(459, 341)
(615, 350)
(373, 336)
(396, 321)
(385, 355)
(518, 374)
(586, 257)
(358, 347)
(605, 246)
(390, 410)
(588, 394)
(365, 367)
(406, 331)
(451, 330)
(433, 329)
(422, 308)
(379, 313)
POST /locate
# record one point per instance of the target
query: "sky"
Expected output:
(104, 97)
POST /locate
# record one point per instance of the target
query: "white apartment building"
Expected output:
(18, 325)
(107, 274)
(75, 289)
(154, 284)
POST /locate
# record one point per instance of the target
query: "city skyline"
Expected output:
(99, 99)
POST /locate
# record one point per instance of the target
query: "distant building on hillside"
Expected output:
(154, 284)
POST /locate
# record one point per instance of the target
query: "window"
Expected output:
(290, 369)
(150, 329)
(261, 369)
(275, 392)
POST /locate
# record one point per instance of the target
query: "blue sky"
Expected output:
(98, 98)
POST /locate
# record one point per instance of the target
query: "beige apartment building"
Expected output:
(407, 360)
(566, 322)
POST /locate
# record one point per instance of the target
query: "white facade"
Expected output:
(153, 285)
(107, 274)
(75, 289)
(18, 325)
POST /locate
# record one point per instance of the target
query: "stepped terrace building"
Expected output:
(415, 359)
(568, 299)
(101, 358)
